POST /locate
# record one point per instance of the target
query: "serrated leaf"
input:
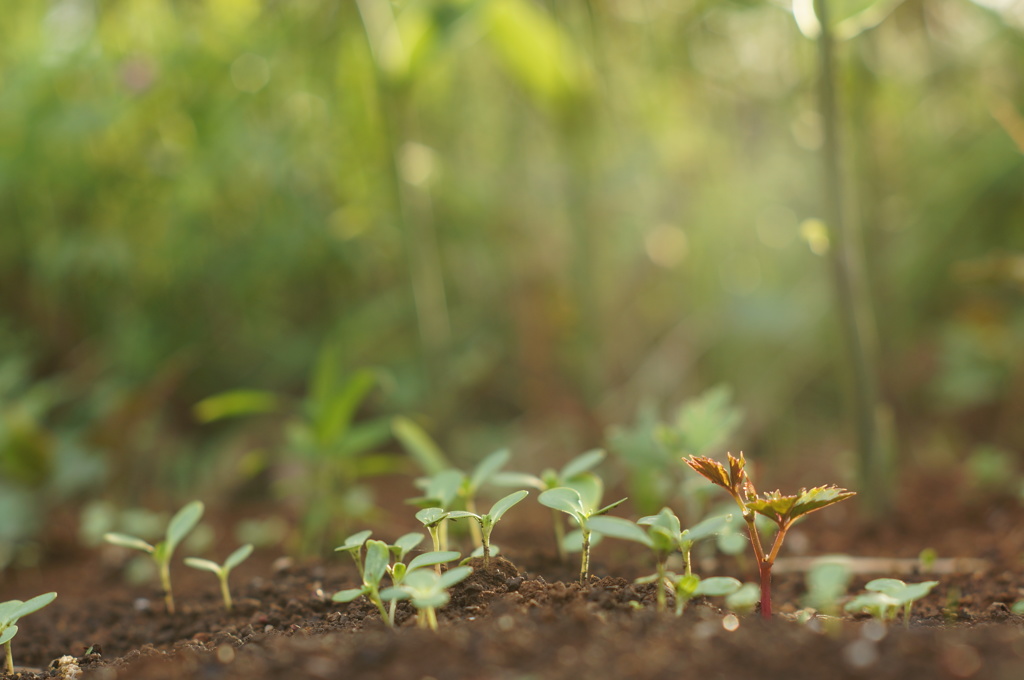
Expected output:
(429, 559)
(204, 565)
(183, 522)
(819, 497)
(710, 469)
(503, 505)
(582, 463)
(618, 527)
(126, 541)
(238, 556)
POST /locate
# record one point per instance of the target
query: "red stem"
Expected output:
(766, 589)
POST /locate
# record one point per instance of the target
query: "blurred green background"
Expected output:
(531, 215)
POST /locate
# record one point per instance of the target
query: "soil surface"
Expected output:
(527, 617)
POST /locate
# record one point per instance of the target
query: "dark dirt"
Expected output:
(531, 620)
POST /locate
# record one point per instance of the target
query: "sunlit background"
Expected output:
(534, 218)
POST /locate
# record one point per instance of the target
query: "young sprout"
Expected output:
(400, 570)
(428, 591)
(664, 536)
(689, 586)
(577, 474)
(488, 520)
(783, 510)
(570, 501)
(353, 545)
(10, 612)
(222, 571)
(180, 525)
(887, 595)
(434, 521)
(378, 557)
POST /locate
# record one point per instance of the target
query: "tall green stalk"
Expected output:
(856, 315)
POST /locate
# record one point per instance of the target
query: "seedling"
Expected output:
(689, 586)
(378, 556)
(887, 595)
(570, 501)
(399, 570)
(826, 583)
(782, 510)
(577, 474)
(10, 612)
(180, 525)
(222, 570)
(434, 520)
(488, 521)
(663, 535)
(428, 591)
(353, 545)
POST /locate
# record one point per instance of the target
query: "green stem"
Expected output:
(225, 591)
(10, 659)
(474, 526)
(585, 563)
(165, 582)
(662, 603)
(375, 598)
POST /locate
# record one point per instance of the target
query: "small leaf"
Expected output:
(710, 469)
(884, 585)
(610, 506)
(355, 540)
(717, 586)
(503, 505)
(433, 600)
(126, 541)
(564, 499)
(347, 595)
(487, 468)
(463, 514)
(618, 527)
(744, 599)
(377, 559)
(407, 542)
(8, 634)
(429, 559)
(454, 575)
(35, 604)
(519, 479)
(420, 446)
(709, 527)
(392, 593)
(431, 516)
(582, 463)
(235, 403)
(590, 488)
(819, 497)
(238, 556)
(204, 565)
(183, 522)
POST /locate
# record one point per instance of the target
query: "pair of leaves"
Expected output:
(177, 529)
(233, 560)
(13, 610)
(569, 501)
(427, 588)
(500, 507)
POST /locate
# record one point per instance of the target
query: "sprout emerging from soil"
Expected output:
(569, 501)
(689, 586)
(353, 545)
(488, 520)
(887, 595)
(180, 525)
(577, 474)
(10, 612)
(783, 510)
(664, 535)
(428, 592)
(222, 570)
(400, 570)
(434, 521)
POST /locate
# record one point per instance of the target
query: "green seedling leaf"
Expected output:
(884, 585)
(205, 565)
(590, 488)
(503, 505)
(344, 596)
(879, 605)
(518, 479)
(565, 499)
(182, 523)
(238, 556)
(406, 543)
(709, 527)
(744, 599)
(429, 559)
(487, 468)
(126, 541)
(617, 527)
(355, 541)
(235, 403)
(904, 593)
(377, 559)
(665, 519)
(609, 507)
(716, 586)
(443, 488)
(13, 610)
(430, 517)
(8, 634)
(582, 463)
(453, 576)
(420, 446)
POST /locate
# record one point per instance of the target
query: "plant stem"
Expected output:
(10, 659)
(165, 581)
(765, 569)
(585, 563)
(661, 586)
(474, 527)
(225, 591)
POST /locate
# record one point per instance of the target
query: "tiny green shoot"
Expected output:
(400, 570)
(577, 473)
(10, 612)
(568, 500)
(488, 520)
(782, 510)
(690, 586)
(222, 570)
(886, 595)
(428, 591)
(375, 565)
(180, 525)
(353, 545)
(434, 521)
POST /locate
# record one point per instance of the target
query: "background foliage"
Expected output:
(526, 212)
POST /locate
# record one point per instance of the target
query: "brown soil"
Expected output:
(528, 618)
